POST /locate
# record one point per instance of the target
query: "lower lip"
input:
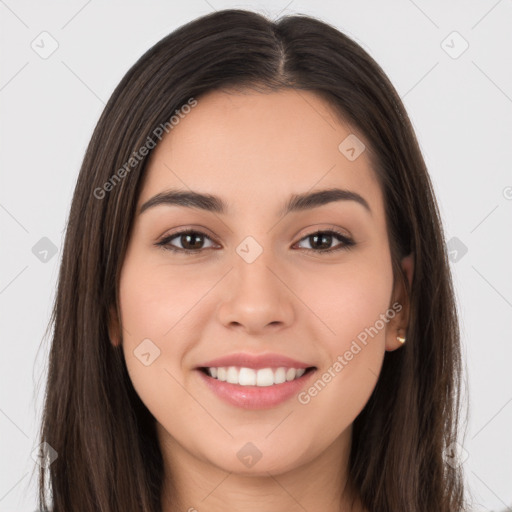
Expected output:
(256, 397)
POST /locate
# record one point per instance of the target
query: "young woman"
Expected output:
(255, 309)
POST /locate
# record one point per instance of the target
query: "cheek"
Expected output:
(151, 324)
(156, 298)
(349, 298)
(353, 304)
(162, 308)
(154, 303)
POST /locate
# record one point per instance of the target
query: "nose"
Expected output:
(256, 296)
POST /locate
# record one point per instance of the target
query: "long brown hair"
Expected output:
(108, 455)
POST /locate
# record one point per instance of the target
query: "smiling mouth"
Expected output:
(262, 377)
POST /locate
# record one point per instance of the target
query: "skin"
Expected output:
(254, 150)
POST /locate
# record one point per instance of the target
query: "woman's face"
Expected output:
(251, 287)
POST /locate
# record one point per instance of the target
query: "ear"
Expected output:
(113, 327)
(399, 323)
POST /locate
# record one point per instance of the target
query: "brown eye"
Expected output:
(190, 241)
(321, 241)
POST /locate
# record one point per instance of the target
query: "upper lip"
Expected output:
(255, 361)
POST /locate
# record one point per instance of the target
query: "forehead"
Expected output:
(253, 147)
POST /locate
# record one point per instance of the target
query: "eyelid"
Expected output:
(164, 241)
(346, 240)
(313, 229)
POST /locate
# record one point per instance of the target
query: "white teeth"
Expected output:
(280, 376)
(232, 375)
(247, 377)
(250, 377)
(265, 377)
(290, 374)
(221, 374)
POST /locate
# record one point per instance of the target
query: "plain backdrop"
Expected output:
(451, 63)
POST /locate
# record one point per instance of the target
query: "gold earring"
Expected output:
(400, 339)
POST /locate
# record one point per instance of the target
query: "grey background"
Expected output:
(460, 105)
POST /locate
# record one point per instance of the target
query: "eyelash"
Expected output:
(348, 243)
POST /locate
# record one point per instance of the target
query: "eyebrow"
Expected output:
(211, 203)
